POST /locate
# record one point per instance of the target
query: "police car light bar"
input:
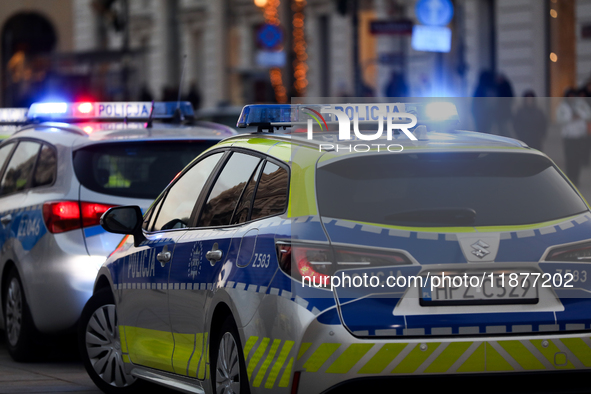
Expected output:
(13, 116)
(267, 116)
(108, 110)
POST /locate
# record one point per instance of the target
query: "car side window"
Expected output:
(182, 196)
(228, 188)
(46, 168)
(271, 194)
(17, 174)
(4, 154)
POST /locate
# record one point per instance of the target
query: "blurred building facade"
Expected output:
(140, 49)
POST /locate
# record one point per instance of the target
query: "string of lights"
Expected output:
(300, 68)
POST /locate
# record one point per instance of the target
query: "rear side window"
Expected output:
(271, 195)
(137, 170)
(17, 174)
(227, 190)
(446, 189)
(46, 169)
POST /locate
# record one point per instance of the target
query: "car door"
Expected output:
(144, 303)
(21, 224)
(204, 259)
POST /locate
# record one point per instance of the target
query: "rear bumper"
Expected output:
(330, 356)
(558, 382)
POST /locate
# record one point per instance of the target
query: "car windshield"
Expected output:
(138, 169)
(446, 189)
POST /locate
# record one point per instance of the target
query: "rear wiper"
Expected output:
(435, 217)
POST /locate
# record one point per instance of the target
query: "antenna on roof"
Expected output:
(178, 115)
(150, 121)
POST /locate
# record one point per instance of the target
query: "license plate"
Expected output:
(489, 289)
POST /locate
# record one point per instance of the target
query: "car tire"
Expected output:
(228, 368)
(19, 332)
(100, 346)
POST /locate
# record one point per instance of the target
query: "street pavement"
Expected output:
(60, 372)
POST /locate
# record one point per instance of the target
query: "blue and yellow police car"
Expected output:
(280, 263)
(59, 172)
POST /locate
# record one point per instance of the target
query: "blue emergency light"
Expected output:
(104, 111)
(267, 116)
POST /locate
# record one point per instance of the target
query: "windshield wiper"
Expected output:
(434, 217)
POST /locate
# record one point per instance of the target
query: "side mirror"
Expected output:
(124, 220)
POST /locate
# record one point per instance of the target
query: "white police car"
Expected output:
(276, 263)
(56, 180)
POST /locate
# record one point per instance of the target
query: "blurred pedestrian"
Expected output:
(397, 86)
(572, 114)
(193, 96)
(483, 105)
(504, 106)
(530, 123)
(145, 94)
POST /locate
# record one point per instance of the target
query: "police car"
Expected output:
(56, 179)
(283, 264)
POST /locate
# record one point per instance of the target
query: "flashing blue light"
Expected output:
(48, 108)
(261, 114)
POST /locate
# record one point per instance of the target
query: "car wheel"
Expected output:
(100, 346)
(19, 330)
(228, 368)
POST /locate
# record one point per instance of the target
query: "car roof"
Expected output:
(88, 133)
(445, 141)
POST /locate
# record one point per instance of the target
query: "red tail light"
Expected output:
(319, 263)
(62, 216)
(575, 252)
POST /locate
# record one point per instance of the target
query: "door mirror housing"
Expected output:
(124, 220)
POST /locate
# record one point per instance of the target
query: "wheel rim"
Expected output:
(104, 347)
(14, 311)
(227, 372)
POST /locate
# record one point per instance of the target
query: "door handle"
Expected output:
(214, 255)
(164, 256)
(6, 219)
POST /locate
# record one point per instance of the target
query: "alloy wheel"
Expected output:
(103, 347)
(14, 311)
(227, 379)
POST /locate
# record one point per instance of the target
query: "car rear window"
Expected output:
(446, 189)
(138, 169)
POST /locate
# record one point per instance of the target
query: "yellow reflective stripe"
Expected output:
(150, 348)
(203, 372)
(263, 369)
(287, 345)
(319, 357)
(448, 357)
(122, 339)
(285, 378)
(494, 361)
(579, 348)
(184, 344)
(249, 344)
(415, 358)
(196, 358)
(126, 359)
(349, 358)
(474, 363)
(382, 358)
(256, 357)
(522, 355)
(305, 346)
(550, 353)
